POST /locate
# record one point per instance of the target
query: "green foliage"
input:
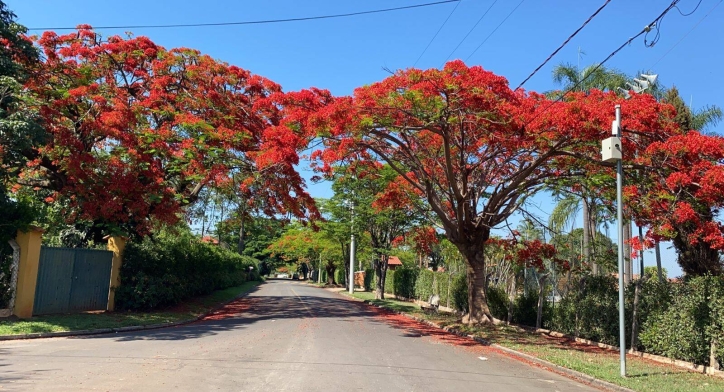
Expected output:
(498, 303)
(369, 278)
(460, 293)
(590, 310)
(525, 309)
(173, 267)
(339, 276)
(424, 285)
(684, 330)
(404, 282)
(390, 282)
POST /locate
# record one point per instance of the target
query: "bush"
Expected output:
(525, 309)
(170, 268)
(684, 330)
(498, 303)
(424, 285)
(339, 276)
(590, 311)
(404, 282)
(369, 279)
(390, 282)
(460, 293)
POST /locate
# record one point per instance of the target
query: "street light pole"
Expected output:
(351, 256)
(619, 217)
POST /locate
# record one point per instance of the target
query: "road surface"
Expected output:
(284, 336)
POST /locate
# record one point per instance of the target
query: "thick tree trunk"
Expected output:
(659, 271)
(478, 310)
(330, 274)
(541, 297)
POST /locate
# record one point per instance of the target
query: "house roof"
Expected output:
(394, 260)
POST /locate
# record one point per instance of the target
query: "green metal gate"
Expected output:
(72, 280)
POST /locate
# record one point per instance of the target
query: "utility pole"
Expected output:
(351, 256)
(319, 278)
(619, 217)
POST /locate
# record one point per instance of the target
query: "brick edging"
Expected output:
(569, 372)
(100, 331)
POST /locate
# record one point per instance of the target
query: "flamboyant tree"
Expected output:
(136, 131)
(463, 141)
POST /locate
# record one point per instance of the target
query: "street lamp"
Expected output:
(351, 251)
(612, 151)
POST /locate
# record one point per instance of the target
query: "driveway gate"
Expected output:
(72, 280)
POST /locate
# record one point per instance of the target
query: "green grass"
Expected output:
(85, 321)
(643, 375)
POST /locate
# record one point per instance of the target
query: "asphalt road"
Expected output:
(285, 336)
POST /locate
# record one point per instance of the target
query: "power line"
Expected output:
(645, 30)
(564, 43)
(257, 21)
(470, 31)
(438, 32)
(687, 33)
(493, 32)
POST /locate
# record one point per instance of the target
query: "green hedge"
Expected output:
(174, 267)
(369, 279)
(339, 276)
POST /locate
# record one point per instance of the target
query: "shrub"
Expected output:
(369, 279)
(525, 309)
(460, 293)
(390, 282)
(170, 268)
(404, 282)
(498, 302)
(424, 285)
(590, 310)
(339, 276)
(683, 330)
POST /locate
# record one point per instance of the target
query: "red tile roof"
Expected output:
(394, 260)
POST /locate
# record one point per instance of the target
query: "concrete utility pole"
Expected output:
(351, 256)
(619, 217)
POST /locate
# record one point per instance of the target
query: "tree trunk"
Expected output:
(14, 273)
(541, 292)
(587, 236)
(641, 252)
(380, 265)
(634, 315)
(330, 274)
(659, 271)
(511, 296)
(478, 310)
(628, 264)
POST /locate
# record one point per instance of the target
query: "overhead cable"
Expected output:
(564, 43)
(494, 30)
(250, 22)
(435, 36)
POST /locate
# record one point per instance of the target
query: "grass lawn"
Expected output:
(643, 375)
(84, 321)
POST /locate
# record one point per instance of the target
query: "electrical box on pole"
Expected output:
(611, 149)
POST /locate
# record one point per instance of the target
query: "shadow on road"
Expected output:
(266, 305)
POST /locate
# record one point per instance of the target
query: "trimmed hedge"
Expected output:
(339, 276)
(171, 268)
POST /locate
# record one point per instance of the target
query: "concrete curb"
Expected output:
(85, 332)
(551, 366)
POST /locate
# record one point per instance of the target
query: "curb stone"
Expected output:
(85, 332)
(569, 372)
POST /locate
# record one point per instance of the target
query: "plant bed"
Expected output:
(90, 321)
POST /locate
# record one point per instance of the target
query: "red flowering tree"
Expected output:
(467, 144)
(135, 131)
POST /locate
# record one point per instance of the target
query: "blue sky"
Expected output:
(341, 54)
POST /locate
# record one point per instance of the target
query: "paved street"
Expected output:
(285, 336)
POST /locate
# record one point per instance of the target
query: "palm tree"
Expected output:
(570, 77)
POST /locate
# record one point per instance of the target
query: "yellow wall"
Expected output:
(29, 243)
